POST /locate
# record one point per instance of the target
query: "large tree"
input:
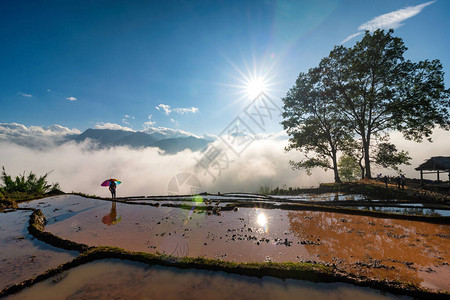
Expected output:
(313, 123)
(373, 90)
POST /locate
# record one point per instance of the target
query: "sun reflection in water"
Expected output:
(261, 219)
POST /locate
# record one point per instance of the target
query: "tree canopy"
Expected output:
(357, 95)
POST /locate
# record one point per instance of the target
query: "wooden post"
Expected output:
(421, 177)
(438, 175)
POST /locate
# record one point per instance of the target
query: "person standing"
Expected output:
(402, 181)
(112, 188)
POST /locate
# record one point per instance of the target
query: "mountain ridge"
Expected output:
(138, 139)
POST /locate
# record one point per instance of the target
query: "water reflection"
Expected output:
(112, 218)
(419, 211)
(414, 249)
(381, 248)
(22, 256)
(262, 221)
(115, 279)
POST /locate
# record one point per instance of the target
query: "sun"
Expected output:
(253, 82)
(255, 86)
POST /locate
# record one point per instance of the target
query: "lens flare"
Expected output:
(197, 199)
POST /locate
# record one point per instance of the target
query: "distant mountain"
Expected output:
(138, 139)
(175, 145)
(105, 137)
(109, 138)
(167, 139)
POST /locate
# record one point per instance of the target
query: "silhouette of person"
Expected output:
(112, 188)
(402, 181)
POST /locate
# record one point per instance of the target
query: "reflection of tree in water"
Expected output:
(417, 211)
(112, 218)
(420, 211)
(324, 197)
(378, 243)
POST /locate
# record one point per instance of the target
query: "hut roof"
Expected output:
(436, 163)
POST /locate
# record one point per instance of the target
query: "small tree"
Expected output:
(349, 168)
(388, 156)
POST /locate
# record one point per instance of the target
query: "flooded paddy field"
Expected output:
(353, 201)
(119, 279)
(219, 227)
(23, 256)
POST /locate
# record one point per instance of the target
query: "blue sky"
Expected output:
(182, 64)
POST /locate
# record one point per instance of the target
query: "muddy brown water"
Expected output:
(22, 256)
(379, 248)
(117, 279)
(363, 246)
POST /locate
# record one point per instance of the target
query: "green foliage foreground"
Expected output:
(25, 187)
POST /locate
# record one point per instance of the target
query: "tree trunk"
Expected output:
(361, 167)
(366, 145)
(337, 179)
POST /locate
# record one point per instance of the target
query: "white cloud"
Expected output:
(35, 136)
(393, 19)
(390, 20)
(149, 123)
(165, 108)
(179, 110)
(49, 90)
(126, 119)
(112, 126)
(183, 111)
(12, 128)
(210, 137)
(280, 135)
(71, 98)
(175, 122)
(25, 95)
(169, 132)
(350, 37)
(15, 129)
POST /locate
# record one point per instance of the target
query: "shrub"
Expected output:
(30, 184)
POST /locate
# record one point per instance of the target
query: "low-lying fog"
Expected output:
(147, 171)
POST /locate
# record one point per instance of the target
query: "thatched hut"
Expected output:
(435, 165)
